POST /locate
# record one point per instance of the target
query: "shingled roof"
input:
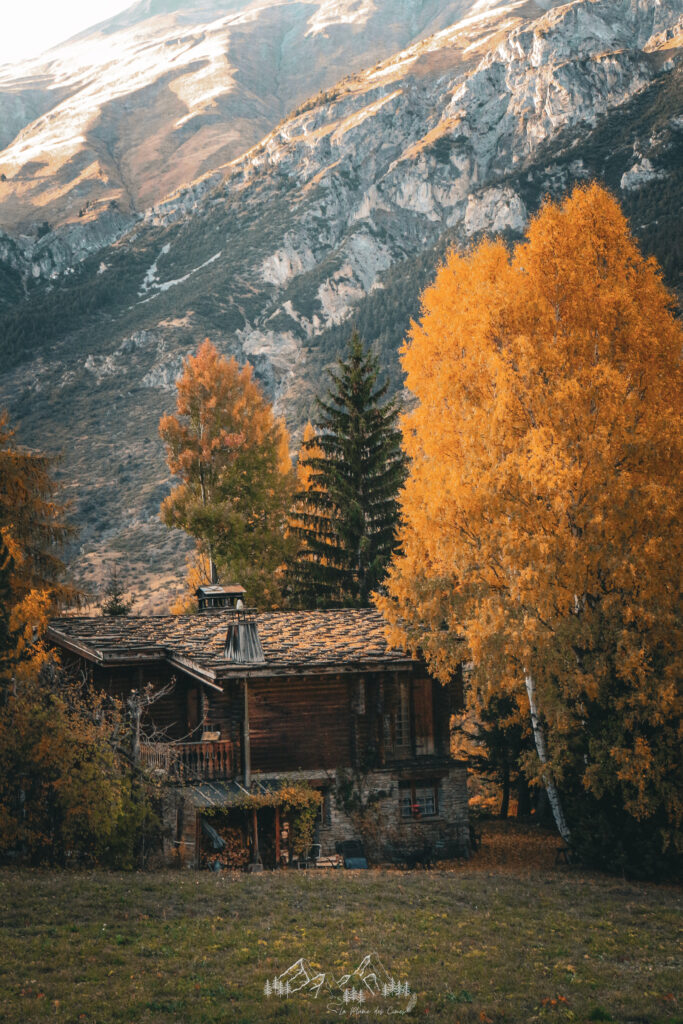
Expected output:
(345, 639)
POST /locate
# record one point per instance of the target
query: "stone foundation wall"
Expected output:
(383, 830)
(386, 834)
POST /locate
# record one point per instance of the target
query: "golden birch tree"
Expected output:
(541, 535)
(33, 529)
(236, 480)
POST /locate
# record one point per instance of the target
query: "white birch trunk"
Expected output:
(539, 737)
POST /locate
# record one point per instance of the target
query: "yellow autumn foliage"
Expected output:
(232, 457)
(32, 528)
(542, 516)
(68, 795)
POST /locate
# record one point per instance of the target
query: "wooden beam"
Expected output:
(203, 709)
(247, 742)
(305, 668)
(254, 821)
(413, 737)
(277, 837)
(379, 721)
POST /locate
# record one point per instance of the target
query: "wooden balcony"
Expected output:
(191, 762)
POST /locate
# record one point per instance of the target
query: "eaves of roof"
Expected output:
(134, 654)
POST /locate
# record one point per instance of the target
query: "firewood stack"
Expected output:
(235, 854)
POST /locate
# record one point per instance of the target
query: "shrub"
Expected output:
(69, 794)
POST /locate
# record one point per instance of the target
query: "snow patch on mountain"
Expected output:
(150, 282)
(151, 275)
(340, 12)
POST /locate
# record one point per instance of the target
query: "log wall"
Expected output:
(300, 722)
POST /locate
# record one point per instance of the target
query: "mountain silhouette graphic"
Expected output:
(370, 975)
(302, 976)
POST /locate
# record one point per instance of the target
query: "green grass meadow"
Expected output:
(476, 944)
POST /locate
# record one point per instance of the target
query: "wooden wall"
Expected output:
(169, 715)
(300, 722)
(316, 722)
(328, 722)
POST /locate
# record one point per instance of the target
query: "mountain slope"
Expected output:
(339, 216)
(166, 91)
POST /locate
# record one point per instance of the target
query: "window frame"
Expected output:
(415, 811)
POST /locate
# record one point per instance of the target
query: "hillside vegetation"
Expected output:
(339, 217)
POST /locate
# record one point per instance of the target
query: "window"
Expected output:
(324, 814)
(327, 807)
(419, 798)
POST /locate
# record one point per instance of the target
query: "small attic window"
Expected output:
(213, 596)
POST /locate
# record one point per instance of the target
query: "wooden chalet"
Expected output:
(314, 696)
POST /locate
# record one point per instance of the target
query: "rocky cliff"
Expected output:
(337, 216)
(166, 92)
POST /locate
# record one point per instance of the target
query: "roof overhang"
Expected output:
(134, 654)
(112, 657)
(190, 668)
(283, 669)
(131, 655)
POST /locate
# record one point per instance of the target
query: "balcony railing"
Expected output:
(191, 762)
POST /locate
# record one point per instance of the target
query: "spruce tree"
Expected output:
(114, 602)
(346, 518)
